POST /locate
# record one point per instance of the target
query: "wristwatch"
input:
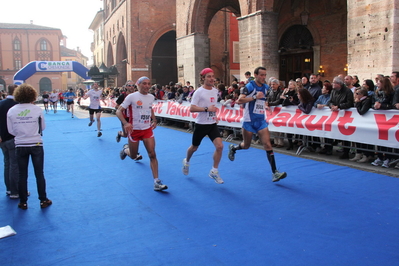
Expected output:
(206, 109)
(254, 96)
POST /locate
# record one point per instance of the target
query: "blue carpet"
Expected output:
(105, 211)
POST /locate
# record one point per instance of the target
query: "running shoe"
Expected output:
(158, 186)
(277, 176)
(91, 123)
(232, 152)
(118, 137)
(138, 157)
(99, 134)
(186, 167)
(45, 203)
(215, 176)
(385, 164)
(122, 154)
(377, 162)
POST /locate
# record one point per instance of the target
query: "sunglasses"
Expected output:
(128, 85)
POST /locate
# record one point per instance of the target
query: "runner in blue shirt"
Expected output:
(70, 96)
(253, 98)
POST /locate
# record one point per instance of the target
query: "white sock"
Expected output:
(156, 180)
(214, 169)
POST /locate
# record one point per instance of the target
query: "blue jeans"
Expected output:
(37, 154)
(10, 166)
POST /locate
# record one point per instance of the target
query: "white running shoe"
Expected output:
(158, 186)
(277, 176)
(215, 176)
(186, 167)
(377, 162)
(385, 163)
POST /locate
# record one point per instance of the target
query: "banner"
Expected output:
(376, 127)
(53, 66)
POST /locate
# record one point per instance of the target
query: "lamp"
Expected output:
(321, 71)
(307, 60)
(304, 17)
(346, 68)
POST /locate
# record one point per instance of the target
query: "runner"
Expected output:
(140, 127)
(53, 100)
(129, 86)
(70, 96)
(95, 95)
(203, 102)
(45, 98)
(253, 96)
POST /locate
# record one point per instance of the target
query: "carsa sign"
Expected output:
(53, 66)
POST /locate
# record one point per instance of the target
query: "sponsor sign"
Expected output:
(53, 66)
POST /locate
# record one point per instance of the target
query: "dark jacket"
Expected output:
(5, 105)
(305, 107)
(343, 98)
(273, 97)
(384, 99)
(294, 96)
(363, 106)
(315, 90)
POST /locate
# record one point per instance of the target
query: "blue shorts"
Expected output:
(255, 126)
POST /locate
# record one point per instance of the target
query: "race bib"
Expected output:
(211, 116)
(145, 116)
(259, 107)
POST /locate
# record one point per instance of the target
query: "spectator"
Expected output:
(341, 99)
(27, 130)
(314, 88)
(273, 99)
(305, 82)
(305, 100)
(290, 97)
(362, 104)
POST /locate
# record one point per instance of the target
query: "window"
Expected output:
(17, 45)
(17, 64)
(43, 45)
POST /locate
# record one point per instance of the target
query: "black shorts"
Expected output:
(69, 103)
(92, 111)
(200, 131)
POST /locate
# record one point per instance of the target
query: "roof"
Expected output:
(24, 26)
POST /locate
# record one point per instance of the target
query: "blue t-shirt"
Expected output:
(69, 96)
(254, 110)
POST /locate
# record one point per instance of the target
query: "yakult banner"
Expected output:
(53, 66)
(376, 127)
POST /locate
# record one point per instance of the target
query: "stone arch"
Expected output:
(200, 20)
(121, 59)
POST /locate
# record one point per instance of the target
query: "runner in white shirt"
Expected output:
(203, 102)
(142, 122)
(53, 100)
(95, 95)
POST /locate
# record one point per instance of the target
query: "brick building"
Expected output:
(174, 40)
(23, 43)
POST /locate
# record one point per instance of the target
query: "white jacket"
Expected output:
(25, 121)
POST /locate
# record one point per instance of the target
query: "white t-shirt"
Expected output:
(141, 108)
(23, 123)
(95, 97)
(205, 98)
(53, 97)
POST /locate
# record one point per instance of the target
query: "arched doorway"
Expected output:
(3, 85)
(121, 61)
(45, 85)
(164, 59)
(296, 53)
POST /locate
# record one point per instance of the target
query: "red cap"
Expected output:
(206, 71)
